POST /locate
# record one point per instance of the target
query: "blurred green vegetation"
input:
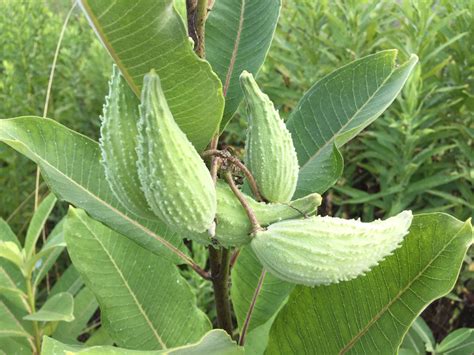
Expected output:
(30, 30)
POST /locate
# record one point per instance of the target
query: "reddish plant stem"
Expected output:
(233, 160)
(250, 214)
(233, 258)
(248, 317)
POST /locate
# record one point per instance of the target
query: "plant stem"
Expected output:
(220, 261)
(48, 90)
(227, 156)
(248, 317)
(250, 214)
(233, 258)
(201, 14)
(191, 17)
(31, 301)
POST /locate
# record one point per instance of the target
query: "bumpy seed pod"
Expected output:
(174, 178)
(323, 250)
(233, 226)
(270, 154)
(117, 143)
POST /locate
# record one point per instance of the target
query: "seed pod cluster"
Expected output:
(174, 178)
(323, 250)
(270, 153)
(233, 226)
(118, 141)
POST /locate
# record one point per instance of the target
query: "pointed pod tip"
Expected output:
(245, 74)
(405, 218)
(151, 77)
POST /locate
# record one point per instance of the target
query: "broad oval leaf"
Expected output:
(238, 35)
(70, 164)
(371, 314)
(419, 338)
(215, 342)
(145, 304)
(459, 342)
(148, 34)
(57, 308)
(338, 107)
(9, 325)
(85, 305)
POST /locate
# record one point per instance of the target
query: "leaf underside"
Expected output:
(338, 107)
(238, 36)
(70, 165)
(149, 34)
(145, 303)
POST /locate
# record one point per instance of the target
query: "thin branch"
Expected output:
(250, 214)
(214, 160)
(191, 6)
(23, 203)
(234, 258)
(248, 317)
(48, 90)
(235, 161)
(201, 14)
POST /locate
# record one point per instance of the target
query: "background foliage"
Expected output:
(30, 31)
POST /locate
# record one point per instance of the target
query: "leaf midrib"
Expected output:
(235, 49)
(127, 286)
(364, 330)
(369, 99)
(106, 43)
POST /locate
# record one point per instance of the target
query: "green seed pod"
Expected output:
(117, 143)
(270, 154)
(324, 250)
(176, 182)
(233, 226)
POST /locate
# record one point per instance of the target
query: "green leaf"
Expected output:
(9, 325)
(85, 306)
(257, 339)
(245, 277)
(419, 338)
(37, 224)
(459, 342)
(17, 346)
(70, 281)
(238, 35)
(149, 34)
(49, 253)
(371, 314)
(6, 234)
(100, 337)
(70, 164)
(56, 308)
(11, 252)
(338, 107)
(55, 244)
(11, 292)
(215, 342)
(145, 303)
(324, 175)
